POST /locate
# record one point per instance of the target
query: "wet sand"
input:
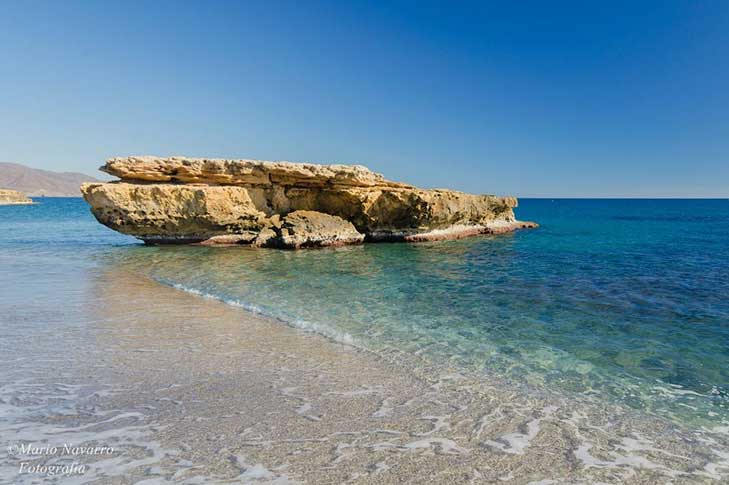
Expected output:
(188, 389)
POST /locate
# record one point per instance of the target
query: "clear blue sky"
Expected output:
(601, 98)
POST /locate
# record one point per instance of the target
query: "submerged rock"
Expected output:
(13, 197)
(282, 204)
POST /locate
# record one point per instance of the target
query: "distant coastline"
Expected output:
(41, 183)
(14, 197)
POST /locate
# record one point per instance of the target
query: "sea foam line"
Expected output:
(313, 327)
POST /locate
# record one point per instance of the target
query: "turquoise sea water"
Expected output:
(624, 300)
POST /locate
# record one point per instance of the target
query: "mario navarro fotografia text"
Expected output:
(35, 451)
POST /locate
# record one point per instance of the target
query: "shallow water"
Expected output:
(627, 299)
(611, 302)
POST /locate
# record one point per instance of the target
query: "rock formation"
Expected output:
(302, 229)
(13, 197)
(282, 204)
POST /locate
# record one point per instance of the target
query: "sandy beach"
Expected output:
(192, 390)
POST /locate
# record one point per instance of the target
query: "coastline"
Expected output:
(190, 388)
(14, 197)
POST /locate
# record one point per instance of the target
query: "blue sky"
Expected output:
(525, 98)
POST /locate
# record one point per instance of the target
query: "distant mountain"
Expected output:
(36, 182)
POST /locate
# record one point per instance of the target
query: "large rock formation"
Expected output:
(282, 204)
(13, 197)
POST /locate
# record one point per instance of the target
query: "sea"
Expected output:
(620, 301)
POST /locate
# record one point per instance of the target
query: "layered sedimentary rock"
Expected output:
(275, 204)
(13, 197)
(243, 172)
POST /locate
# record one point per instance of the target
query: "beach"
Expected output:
(124, 363)
(189, 389)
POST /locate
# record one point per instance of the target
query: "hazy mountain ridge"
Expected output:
(36, 182)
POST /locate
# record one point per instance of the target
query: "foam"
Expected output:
(516, 443)
(313, 327)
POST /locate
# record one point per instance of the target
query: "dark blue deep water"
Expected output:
(626, 300)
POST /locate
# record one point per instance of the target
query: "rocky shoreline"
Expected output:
(13, 197)
(283, 205)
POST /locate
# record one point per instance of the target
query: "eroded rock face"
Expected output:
(282, 204)
(13, 197)
(306, 229)
(174, 213)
